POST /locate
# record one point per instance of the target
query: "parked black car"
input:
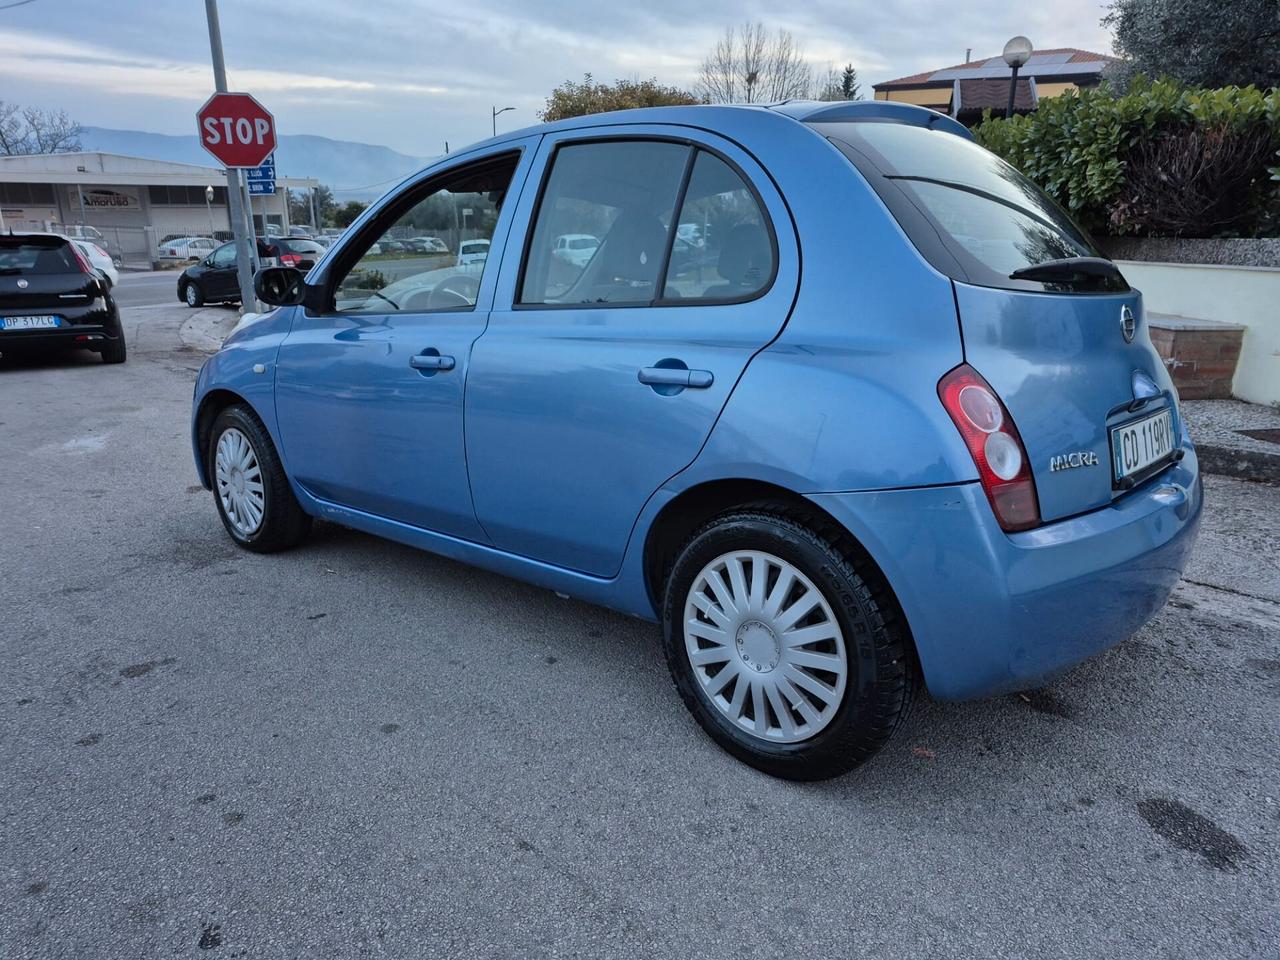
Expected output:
(52, 298)
(213, 279)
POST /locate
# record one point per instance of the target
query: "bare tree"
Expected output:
(27, 130)
(752, 64)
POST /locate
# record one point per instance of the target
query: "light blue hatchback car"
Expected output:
(840, 398)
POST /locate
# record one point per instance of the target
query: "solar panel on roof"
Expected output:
(1037, 59)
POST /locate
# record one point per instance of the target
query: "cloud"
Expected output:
(413, 73)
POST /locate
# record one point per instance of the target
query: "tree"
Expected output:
(1200, 44)
(841, 86)
(346, 214)
(572, 99)
(751, 64)
(300, 205)
(26, 130)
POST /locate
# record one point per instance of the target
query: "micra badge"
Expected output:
(1069, 461)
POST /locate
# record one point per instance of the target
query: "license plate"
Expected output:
(1140, 443)
(27, 323)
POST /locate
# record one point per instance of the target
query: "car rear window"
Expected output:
(972, 215)
(35, 256)
(300, 245)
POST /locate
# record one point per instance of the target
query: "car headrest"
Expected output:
(633, 249)
(745, 256)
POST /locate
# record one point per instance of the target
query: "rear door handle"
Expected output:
(425, 361)
(676, 377)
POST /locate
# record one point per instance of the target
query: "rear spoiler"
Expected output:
(875, 111)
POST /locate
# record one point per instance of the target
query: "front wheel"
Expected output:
(250, 489)
(193, 295)
(785, 645)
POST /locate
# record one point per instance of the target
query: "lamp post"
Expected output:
(1016, 53)
(208, 206)
(496, 111)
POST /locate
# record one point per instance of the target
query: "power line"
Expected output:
(10, 6)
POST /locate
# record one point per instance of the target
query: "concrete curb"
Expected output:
(1241, 464)
(207, 327)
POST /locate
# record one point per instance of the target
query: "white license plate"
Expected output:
(1140, 443)
(27, 323)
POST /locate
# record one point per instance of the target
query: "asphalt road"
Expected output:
(359, 750)
(137, 289)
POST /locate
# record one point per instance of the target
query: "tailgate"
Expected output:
(1067, 374)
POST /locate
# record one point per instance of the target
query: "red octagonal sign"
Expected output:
(236, 129)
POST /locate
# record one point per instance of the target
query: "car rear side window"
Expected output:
(619, 193)
(972, 215)
(36, 257)
(723, 249)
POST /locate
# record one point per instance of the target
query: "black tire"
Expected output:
(192, 294)
(283, 524)
(882, 674)
(114, 351)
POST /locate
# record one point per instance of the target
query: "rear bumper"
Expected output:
(992, 612)
(84, 336)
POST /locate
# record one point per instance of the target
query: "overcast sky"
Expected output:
(412, 74)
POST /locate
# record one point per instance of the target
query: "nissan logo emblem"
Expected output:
(22, 284)
(1128, 325)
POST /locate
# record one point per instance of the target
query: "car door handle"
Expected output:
(676, 377)
(426, 361)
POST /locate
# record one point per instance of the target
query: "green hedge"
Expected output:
(1162, 160)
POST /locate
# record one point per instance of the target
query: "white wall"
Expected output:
(1247, 295)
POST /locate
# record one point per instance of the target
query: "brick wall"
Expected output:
(1202, 361)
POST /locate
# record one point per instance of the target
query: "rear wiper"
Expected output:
(1069, 270)
(9, 271)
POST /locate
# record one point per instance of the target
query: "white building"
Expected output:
(135, 203)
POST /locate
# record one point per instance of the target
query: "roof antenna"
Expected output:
(968, 53)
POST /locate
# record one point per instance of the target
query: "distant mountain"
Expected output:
(355, 171)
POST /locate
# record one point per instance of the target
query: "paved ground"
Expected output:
(359, 750)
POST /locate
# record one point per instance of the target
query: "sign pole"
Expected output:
(245, 248)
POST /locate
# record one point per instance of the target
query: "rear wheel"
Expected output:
(787, 649)
(192, 294)
(114, 351)
(250, 489)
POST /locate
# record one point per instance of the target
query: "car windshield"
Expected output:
(32, 256)
(990, 219)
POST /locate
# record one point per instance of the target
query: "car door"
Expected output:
(218, 279)
(369, 389)
(599, 378)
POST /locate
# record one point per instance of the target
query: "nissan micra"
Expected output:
(841, 399)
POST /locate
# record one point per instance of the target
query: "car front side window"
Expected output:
(397, 272)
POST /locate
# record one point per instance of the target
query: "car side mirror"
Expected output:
(279, 286)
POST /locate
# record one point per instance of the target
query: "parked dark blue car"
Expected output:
(840, 398)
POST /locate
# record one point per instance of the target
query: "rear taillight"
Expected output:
(102, 253)
(80, 259)
(290, 259)
(994, 444)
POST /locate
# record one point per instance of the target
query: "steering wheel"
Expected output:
(459, 290)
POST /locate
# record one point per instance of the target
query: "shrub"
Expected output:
(1162, 160)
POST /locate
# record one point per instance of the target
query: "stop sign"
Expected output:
(236, 129)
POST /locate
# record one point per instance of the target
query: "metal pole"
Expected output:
(209, 209)
(1013, 87)
(245, 248)
(250, 230)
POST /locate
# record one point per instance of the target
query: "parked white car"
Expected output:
(472, 251)
(99, 259)
(187, 248)
(576, 248)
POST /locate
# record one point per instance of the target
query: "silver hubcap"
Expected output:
(765, 646)
(191, 295)
(239, 482)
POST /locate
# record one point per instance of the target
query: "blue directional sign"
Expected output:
(262, 180)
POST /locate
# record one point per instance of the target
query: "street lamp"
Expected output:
(496, 111)
(208, 206)
(1016, 53)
